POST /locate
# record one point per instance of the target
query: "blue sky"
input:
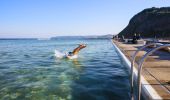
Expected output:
(47, 18)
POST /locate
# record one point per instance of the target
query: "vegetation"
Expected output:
(149, 23)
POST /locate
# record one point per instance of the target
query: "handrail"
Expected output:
(141, 65)
(132, 65)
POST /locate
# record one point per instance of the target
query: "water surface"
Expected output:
(30, 71)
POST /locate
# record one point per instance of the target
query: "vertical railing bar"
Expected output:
(132, 66)
(141, 65)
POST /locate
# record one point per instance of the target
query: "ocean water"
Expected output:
(30, 71)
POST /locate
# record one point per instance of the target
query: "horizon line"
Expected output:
(49, 37)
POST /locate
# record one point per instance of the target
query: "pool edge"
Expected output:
(148, 92)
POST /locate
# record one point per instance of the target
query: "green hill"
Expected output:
(149, 23)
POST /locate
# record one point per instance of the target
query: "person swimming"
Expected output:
(70, 55)
(74, 53)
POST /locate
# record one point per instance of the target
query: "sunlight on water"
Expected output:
(29, 70)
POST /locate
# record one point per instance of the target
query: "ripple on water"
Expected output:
(29, 70)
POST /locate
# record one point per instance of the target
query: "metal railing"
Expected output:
(141, 65)
(141, 61)
(132, 66)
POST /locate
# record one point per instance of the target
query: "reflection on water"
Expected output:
(29, 70)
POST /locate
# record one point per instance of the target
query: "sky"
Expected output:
(49, 18)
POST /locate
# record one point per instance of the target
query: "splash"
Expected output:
(61, 55)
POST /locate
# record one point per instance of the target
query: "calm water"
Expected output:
(30, 71)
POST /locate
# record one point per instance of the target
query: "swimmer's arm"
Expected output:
(76, 51)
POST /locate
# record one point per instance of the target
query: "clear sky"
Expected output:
(47, 18)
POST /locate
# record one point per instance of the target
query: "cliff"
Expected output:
(149, 23)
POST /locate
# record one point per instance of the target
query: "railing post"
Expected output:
(132, 65)
(141, 65)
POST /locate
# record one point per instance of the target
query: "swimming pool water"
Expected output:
(30, 71)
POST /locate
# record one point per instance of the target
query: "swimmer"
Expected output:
(75, 52)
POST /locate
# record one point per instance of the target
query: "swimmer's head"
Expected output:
(70, 53)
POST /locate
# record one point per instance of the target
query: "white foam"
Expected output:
(60, 55)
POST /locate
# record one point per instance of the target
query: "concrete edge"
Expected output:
(147, 89)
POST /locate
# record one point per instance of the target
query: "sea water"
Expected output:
(29, 70)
